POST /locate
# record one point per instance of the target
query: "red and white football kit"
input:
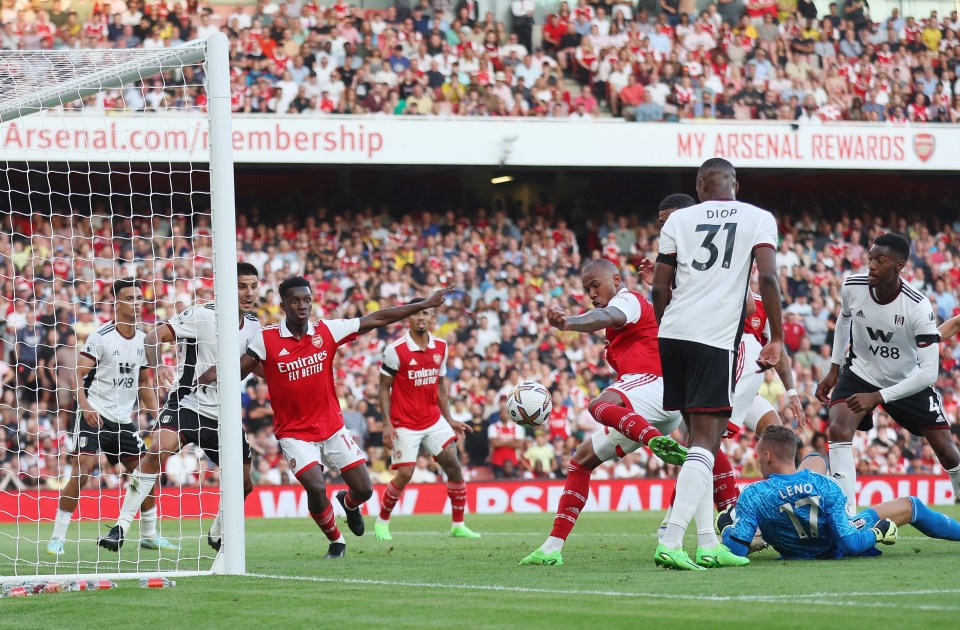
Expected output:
(632, 352)
(308, 421)
(748, 406)
(414, 410)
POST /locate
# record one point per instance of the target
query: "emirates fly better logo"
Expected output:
(924, 144)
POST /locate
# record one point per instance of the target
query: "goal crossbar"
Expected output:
(69, 83)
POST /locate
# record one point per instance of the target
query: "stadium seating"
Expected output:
(778, 61)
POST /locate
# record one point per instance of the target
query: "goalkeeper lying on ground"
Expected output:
(801, 513)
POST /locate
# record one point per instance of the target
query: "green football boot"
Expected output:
(538, 558)
(674, 559)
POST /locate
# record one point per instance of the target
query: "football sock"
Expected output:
(625, 421)
(148, 523)
(845, 472)
(61, 524)
(137, 490)
(327, 523)
(725, 489)
(350, 503)
(216, 530)
(457, 491)
(703, 517)
(933, 524)
(574, 497)
(955, 481)
(693, 483)
(391, 494)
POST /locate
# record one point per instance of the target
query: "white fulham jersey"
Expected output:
(196, 332)
(112, 386)
(713, 245)
(885, 338)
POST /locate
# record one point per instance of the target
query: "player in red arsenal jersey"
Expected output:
(631, 408)
(297, 358)
(413, 401)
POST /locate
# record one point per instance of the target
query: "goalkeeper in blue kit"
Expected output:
(802, 513)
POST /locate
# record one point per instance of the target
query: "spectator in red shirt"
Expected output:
(631, 96)
(586, 99)
(793, 332)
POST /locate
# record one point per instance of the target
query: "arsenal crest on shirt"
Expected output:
(437, 359)
(317, 340)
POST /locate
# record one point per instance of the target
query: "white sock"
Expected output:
(148, 523)
(455, 524)
(341, 539)
(553, 544)
(61, 524)
(216, 530)
(663, 523)
(706, 534)
(137, 490)
(955, 480)
(695, 479)
(844, 472)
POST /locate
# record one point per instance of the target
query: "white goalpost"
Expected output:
(94, 187)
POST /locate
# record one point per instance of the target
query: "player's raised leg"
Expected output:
(608, 410)
(359, 491)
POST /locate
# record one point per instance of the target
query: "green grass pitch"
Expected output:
(424, 579)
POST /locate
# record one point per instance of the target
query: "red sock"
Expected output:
(725, 489)
(350, 503)
(625, 421)
(327, 523)
(391, 494)
(574, 497)
(457, 491)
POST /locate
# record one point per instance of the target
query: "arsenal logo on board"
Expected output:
(924, 145)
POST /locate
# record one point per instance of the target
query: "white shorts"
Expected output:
(642, 394)
(748, 381)
(407, 443)
(339, 452)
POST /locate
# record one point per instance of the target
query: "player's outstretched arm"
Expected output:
(770, 294)
(949, 328)
(591, 321)
(387, 316)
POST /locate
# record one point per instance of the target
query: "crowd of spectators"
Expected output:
(649, 61)
(55, 274)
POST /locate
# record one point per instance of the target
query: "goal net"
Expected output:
(89, 195)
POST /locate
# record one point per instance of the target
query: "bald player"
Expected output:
(631, 408)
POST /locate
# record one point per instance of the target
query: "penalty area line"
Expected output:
(772, 599)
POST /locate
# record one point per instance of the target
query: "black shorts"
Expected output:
(194, 428)
(697, 378)
(119, 442)
(916, 413)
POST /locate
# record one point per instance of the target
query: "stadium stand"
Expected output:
(759, 59)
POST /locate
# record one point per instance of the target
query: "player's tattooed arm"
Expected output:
(591, 321)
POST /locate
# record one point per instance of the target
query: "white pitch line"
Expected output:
(812, 598)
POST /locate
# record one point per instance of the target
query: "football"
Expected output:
(529, 403)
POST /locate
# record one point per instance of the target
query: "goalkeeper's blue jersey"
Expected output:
(802, 515)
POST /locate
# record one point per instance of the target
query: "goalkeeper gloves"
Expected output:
(886, 531)
(724, 520)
